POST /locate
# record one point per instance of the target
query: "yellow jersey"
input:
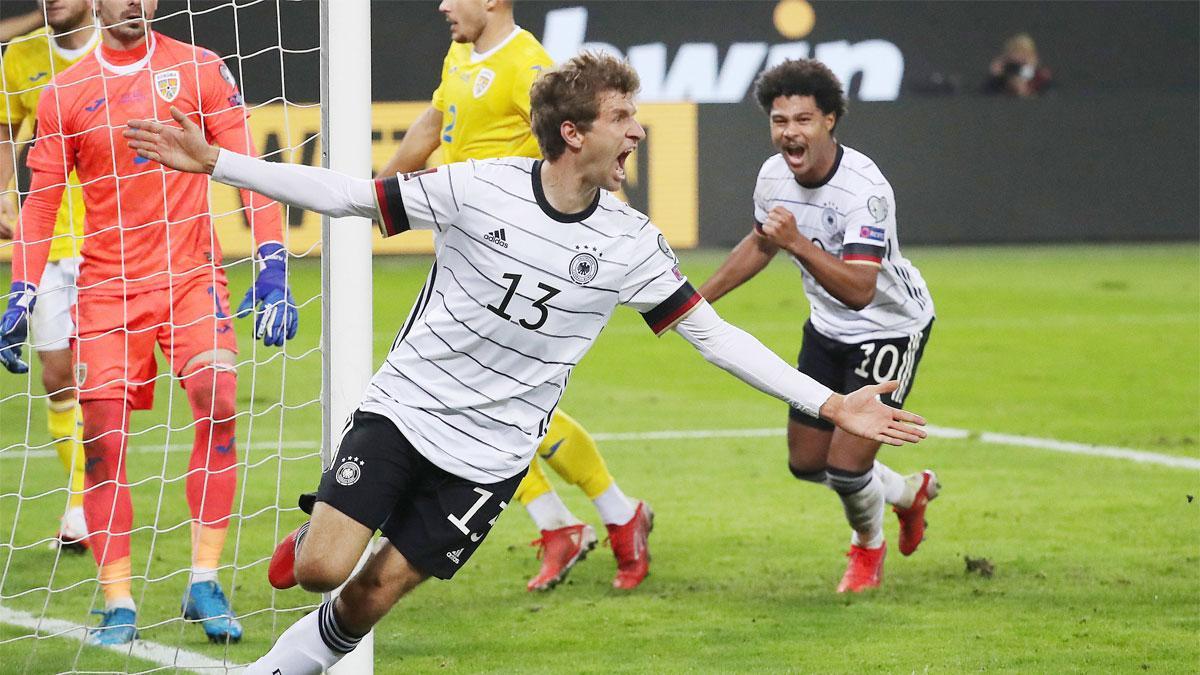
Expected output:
(29, 63)
(484, 99)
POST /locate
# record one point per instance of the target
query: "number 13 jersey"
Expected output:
(517, 295)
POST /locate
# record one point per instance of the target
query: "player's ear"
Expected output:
(572, 134)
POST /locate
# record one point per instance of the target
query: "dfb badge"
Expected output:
(878, 206)
(482, 81)
(584, 268)
(349, 471)
(828, 218)
(166, 84)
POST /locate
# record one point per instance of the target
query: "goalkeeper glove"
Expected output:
(14, 325)
(275, 315)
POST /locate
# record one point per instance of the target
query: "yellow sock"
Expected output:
(65, 422)
(533, 485)
(207, 544)
(116, 582)
(570, 450)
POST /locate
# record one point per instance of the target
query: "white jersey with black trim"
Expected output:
(852, 215)
(517, 295)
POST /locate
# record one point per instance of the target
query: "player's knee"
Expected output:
(811, 474)
(316, 574)
(59, 383)
(213, 393)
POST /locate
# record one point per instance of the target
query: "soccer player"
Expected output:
(830, 208)
(149, 275)
(29, 64)
(481, 111)
(450, 422)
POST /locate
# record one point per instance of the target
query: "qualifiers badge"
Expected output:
(482, 81)
(666, 248)
(167, 85)
(584, 268)
(878, 206)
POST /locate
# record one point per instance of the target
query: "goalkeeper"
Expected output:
(150, 275)
(28, 65)
(481, 111)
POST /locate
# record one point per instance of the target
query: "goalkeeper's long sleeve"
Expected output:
(31, 245)
(733, 349)
(309, 187)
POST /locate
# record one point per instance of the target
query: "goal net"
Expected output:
(48, 594)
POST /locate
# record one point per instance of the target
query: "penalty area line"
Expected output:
(153, 652)
(988, 437)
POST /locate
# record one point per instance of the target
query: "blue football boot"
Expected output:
(118, 626)
(207, 604)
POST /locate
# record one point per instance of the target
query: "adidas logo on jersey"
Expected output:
(497, 238)
(453, 555)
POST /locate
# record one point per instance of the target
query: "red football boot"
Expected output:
(865, 569)
(559, 550)
(912, 519)
(630, 545)
(281, 572)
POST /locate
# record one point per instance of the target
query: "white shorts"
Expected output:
(52, 324)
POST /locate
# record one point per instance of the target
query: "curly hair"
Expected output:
(571, 92)
(802, 77)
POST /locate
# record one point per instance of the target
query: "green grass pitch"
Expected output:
(1096, 560)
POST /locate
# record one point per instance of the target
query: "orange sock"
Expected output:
(207, 544)
(116, 583)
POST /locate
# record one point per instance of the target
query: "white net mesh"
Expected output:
(46, 592)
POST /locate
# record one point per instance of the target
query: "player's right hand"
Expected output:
(14, 326)
(182, 148)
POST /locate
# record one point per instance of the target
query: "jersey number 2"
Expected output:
(446, 135)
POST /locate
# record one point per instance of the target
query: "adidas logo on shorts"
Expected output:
(453, 555)
(497, 238)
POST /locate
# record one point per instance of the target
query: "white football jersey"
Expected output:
(516, 296)
(851, 215)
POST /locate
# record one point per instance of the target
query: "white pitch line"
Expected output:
(162, 655)
(1140, 456)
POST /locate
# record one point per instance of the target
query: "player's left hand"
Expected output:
(780, 229)
(276, 317)
(862, 413)
(14, 326)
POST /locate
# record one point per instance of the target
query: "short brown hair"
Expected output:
(571, 93)
(802, 77)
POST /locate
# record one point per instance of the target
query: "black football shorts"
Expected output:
(846, 367)
(434, 518)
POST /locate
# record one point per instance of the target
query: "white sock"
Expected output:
(299, 651)
(864, 512)
(614, 507)
(895, 488)
(122, 603)
(202, 574)
(550, 513)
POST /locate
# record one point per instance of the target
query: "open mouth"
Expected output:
(621, 162)
(794, 154)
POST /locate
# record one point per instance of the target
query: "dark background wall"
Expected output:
(1111, 153)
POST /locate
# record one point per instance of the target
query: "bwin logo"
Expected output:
(694, 75)
(497, 238)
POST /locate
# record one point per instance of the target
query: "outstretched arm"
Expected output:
(860, 413)
(184, 148)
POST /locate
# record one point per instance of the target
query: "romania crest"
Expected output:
(166, 84)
